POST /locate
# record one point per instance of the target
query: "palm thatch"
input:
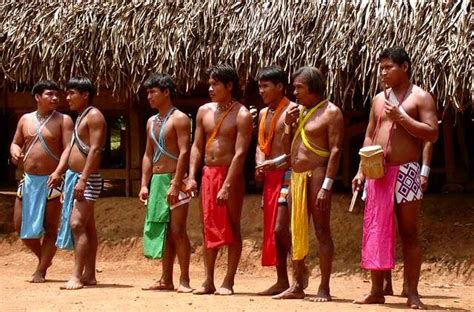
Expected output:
(119, 42)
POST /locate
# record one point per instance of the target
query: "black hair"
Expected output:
(42, 85)
(314, 78)
(273, 73)
(82, 84)
(225, 74)
(161, 81)
(398, 55)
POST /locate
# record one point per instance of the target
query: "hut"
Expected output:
(118, 43)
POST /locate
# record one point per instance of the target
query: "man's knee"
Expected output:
(323, 233)
(282, 232)
(51, 230)
(77, 226)
(178, 233)
(410, 238)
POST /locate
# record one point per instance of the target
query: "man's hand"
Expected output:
(16, 156)
(79, 189)
(143, 195)
(191, 188)
(323, 200)
(357, 182)
(54, 180)
(392, 111)
(173, 194)
(222, 196)
(267, 165)
(258, 175)
(424, 183)
(292, 115)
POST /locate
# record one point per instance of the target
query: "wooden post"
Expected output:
(449, 148)
(135, 150)
(127, 152)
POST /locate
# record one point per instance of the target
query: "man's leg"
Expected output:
(181, 244)
(81, 213)
(387, 283)
(321, 220)
(283, 244)
(209, 255)
(234, 205)
(407, 217)
(48, 247)
(376, 292)
(88, 278)
(33, 244)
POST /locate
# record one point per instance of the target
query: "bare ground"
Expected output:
(446, 282)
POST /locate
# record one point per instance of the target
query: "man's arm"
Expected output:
(183, 127)
(259, 155)
(197, 150)
(18, 141)
(97, 128)
(426, 164)
(242, 142)
(335, 138)
(66, 127)
(369, 133)
(147, 165)
(425, 129)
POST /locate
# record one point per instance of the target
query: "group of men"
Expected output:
(297, 159)
(49, 145)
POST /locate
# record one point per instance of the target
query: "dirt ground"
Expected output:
(446, 281)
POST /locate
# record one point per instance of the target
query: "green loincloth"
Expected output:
(157, 217)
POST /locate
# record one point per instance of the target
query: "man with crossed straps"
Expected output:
(40, 140)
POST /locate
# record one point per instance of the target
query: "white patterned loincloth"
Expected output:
(408, 186)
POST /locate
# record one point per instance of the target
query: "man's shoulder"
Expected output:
(180, 116)
(207, 107)
(26, 117)
(332, 111)
(421, 94)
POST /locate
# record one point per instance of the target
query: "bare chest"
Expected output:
(213, 122)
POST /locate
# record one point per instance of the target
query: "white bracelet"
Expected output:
(327, 184)
(278, 160)
(425, 171)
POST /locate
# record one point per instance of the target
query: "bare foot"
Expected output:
(388, 291)
(414, 302)
(371, 299)
(404, 293)
(88, 281)
(276, 289)
(38, 277)
(224, 291)
(73, 284)
(205, 289)
(184, 288)
(159, 285)
(291, 293)
(322, 296)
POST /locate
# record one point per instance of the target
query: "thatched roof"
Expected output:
(119, 42)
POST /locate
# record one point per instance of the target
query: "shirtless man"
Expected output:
(165, 162)
(83, 183)
(426, 155)
(40, 140)
(222, 136)
(273, 169)
(401, 119)
(315, 155)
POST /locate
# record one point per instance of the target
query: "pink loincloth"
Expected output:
(378, 237)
